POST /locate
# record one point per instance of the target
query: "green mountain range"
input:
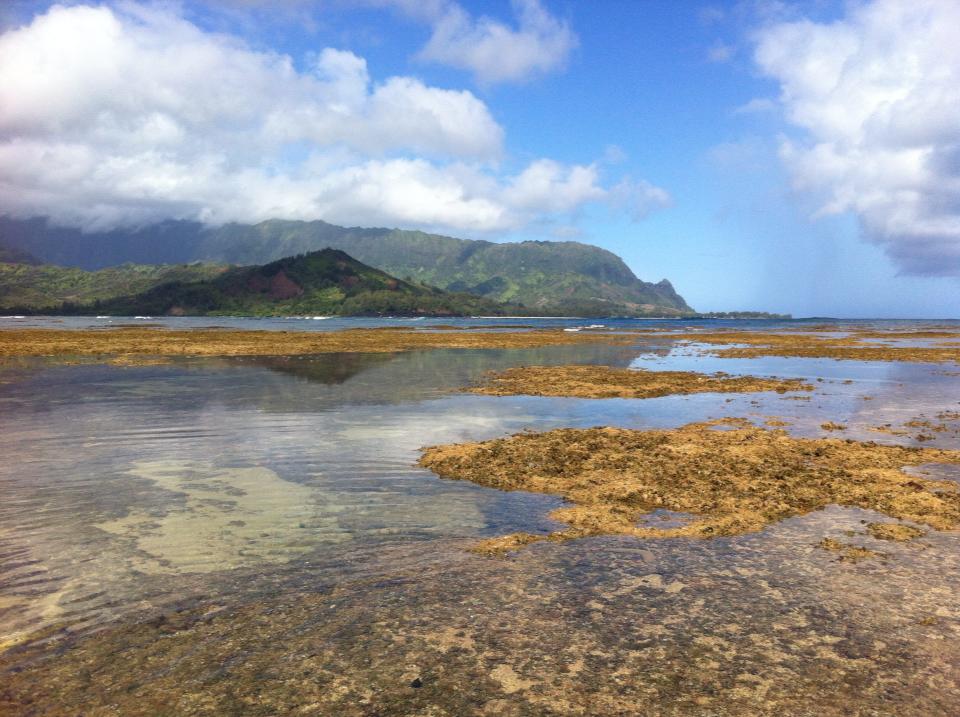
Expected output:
(328, 281)
(552, 277)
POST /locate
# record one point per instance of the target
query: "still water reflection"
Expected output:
(114, 476)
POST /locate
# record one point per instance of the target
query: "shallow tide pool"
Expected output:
(266, 519)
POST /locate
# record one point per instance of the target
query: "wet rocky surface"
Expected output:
(765, 624)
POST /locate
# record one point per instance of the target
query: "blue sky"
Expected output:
(795, 157)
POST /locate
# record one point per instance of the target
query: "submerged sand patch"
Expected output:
(19, 598)
(131, 344)
(229, 517)
(736, 480)
(608, 382)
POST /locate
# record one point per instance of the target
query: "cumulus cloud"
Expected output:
(494, 51)
(546, 183)
(877, 95)
(149, 77)
(127, 116)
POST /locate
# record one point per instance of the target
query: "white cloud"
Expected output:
(146, 77)
(132, 115)
(877, 94)
(546, 183)
(494, 51)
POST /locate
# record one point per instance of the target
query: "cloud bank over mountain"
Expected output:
(127, 115)
(876, 95)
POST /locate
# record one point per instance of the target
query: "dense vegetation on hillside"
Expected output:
(549, 277)
(537, 274)
(323, 282)
(44, 286)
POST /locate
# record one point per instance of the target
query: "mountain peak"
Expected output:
(326, 281)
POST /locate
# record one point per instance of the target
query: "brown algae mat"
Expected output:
(728, 476)
(899, 532)
(219, 342)
(607, 382)
(852, 346)
(848, 553)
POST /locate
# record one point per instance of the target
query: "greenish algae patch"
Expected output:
(735, 481)
(230, 517)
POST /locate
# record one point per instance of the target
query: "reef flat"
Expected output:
(151, 342)
(607, 382)
(247, 534)
(728, 476)
(936, 347)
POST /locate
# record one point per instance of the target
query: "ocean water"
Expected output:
(335, 323)
(127, 492)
